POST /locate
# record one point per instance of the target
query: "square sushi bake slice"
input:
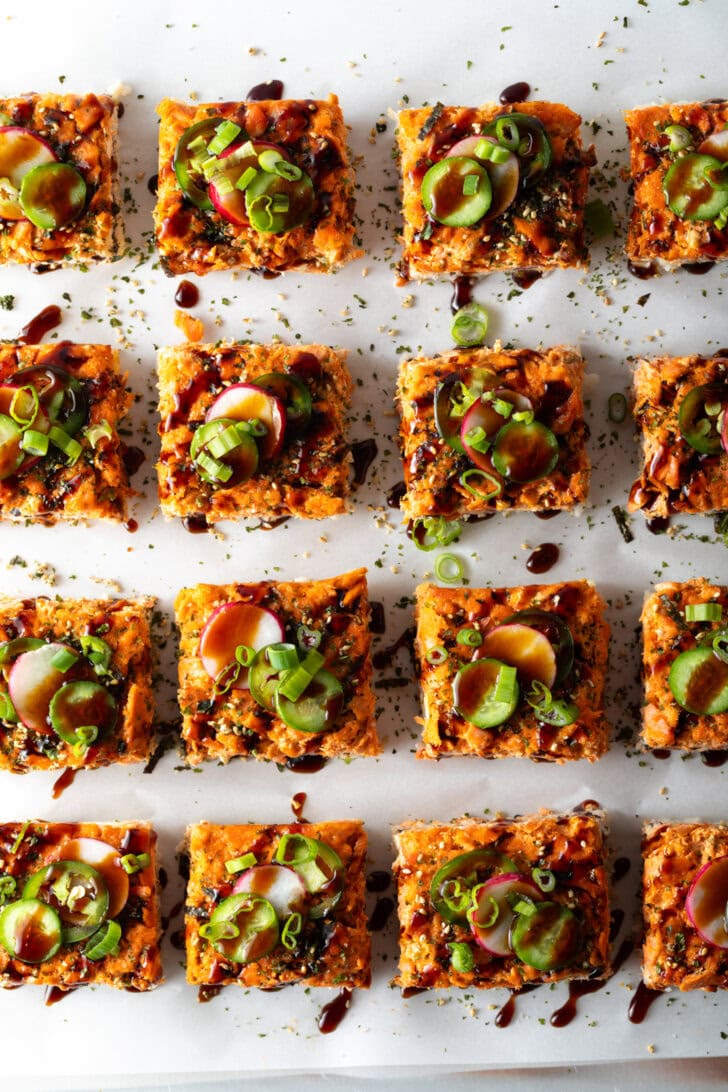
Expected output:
(684, 896)
(492, 189)
(484, 430)
(270, 905)
(512, 671)
(678, 153)
(76, 682)
(253, 430)
(264, 185)
(502, 902)
(680, 411)
(277, 670)
(61, 457)
(79, 905)
(59, 183)
(685, 666)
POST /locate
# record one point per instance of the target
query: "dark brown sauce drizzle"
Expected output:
(35, 330)
(577, 990)
(620, 868)
(152, 183)
(515, 92)
(642, 272)
(131, 526)
(196, 525)
(63, 782)
(206, 993)
(381, 914)
(54, 994)
(524, 280)
(698, 268)
(385, 656)
(640, 1004)
(714, 759)
(543, 558)
(378, 881)
(187, 294)
(661, 753)
(334, 1012)
(273, 89)
(298, 803)
(377, 621)
(657, 525)
(395, 495)
(132, 458)
(548, 513)
(462, 293)
(363, 452)
(505, 1014)
(306, 764)
(616, 920)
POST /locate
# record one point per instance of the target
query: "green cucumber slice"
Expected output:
(252, 925)
(317, 709)
(548, 938)
(30, 931)
(474, 693)
(81, 704)
(688, 189)
(53, 195)
(468, 870)
(191, 179)
(446, 195)
(276, 205)
(76, 892)
(699, 682)
(702, 430)
(525, 452)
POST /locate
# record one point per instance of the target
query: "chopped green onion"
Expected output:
(501, 407)
(472, 638)
(260, 208)
(226, 678)
(474, 474)
(222, 183)
(35, 443)
(679, 137)
(220, 930)
(85, 736)
(527, 416)
(291, 930)
(217, 471)
(254, 426)
(506, 132)
(477, 905)
(64, 659)
(617, 407)
(25, 416)
(429, 532)
(299, 678)
(135, 862)
(268, 160)
(437, 655)
(720, 645)
(197, 146)
(282, 657)
(484, 149)
(505, 685)
(281, 202)
(70, 447)
(544, 879)
(225, 442)
(558, 713)
(107, 944)
(470, 325)
(209, 167)
(296, 849)
(477, 439)
(449, 568)
(470, 185)
(225, 133)
(524, 906)
(244, 655)
(456, 896)
(240, 864)
(97, 432)
(246, 178)
(96, 650)
(21, 835)
(721, 219)
(307, 638)
(703, 612)
(8, 887)
(462, 959)
(287, 170)
(7, 709)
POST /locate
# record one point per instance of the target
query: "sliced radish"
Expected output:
(497, 893)
(20, 151)
(235, 624)
(233, 164)
(716, 145)
(483, 415)
(33, 682)
(707, 902)
(524, 648)
(280, 885)
(245, 402)
(504, 177)
(106, 860)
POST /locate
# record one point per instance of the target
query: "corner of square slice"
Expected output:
(60, 199)
(513, 671)
(61, 456)
(492, 188)
(253, 430)
(295, 897)
(259, 185)
(502, 902)
(76, 686)
(684, 895)
(679, 408)
(306, 694)
(79, 906)
(486, 430)
(685, 667)
(679, 209)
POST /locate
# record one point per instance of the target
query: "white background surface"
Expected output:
(372, 55)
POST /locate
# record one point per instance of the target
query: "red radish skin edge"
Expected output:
(25, 696)
(693, 894)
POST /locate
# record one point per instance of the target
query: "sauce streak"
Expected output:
(698, 268)
(640, 1004)
(714, 759)
(306, 764)
(334, 1012)
(187, 294)
(131, 526)
(395, 495)
(543, 558)
(515, 92)
(63, 782)
(298, 802)
(54, 994)
(378, 881)
(577, 990)
(385, 656)
(363, 452)
(526, 278)
(505, 1014)
(132, 458)
(273, 89)
(196, 525)
(206, 993)
(642, 272)
(462, 293)
(35, 330)
(380, 915)
(662, 753)
(377, 622)
(621, 867)
(152, 183)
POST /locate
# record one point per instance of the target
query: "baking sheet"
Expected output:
(375, 56)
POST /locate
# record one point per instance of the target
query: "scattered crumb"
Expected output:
(107, 582)
(192, 328)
